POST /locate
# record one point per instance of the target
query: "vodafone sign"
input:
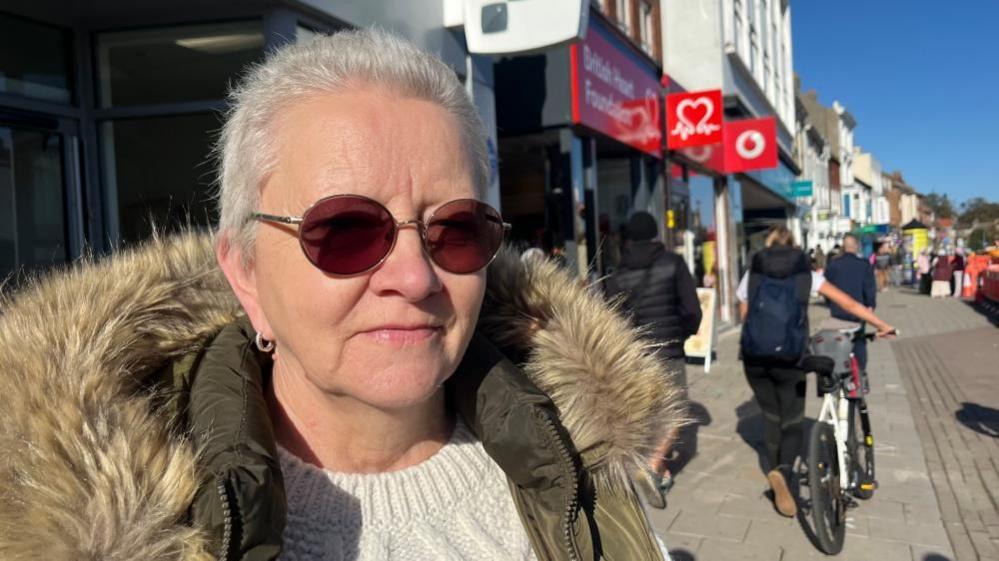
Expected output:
(693, 119)
(750, 144)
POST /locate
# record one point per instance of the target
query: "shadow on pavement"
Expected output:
(750, 428)
(935, 557)
(686, 447)
(988, 309)
(981, 419)
(681, 555)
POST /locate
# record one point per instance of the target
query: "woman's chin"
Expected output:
(388, 390)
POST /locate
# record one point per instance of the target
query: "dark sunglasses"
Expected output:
(351, 234)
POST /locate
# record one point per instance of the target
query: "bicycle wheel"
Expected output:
(828, 505)
(860, 443)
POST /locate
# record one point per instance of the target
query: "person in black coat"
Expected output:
(853, 275)
(659, 292)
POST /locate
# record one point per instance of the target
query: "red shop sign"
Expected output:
(613, 93)
(693, 119)
(750, 144)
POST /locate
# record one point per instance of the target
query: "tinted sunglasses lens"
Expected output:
(463, 236)
(346, 235)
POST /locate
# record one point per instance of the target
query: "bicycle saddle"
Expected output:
(819, 364)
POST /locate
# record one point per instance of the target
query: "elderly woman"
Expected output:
(361, 387)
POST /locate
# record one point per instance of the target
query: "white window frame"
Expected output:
(646, 24)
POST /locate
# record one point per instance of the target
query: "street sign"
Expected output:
(693, 119)
(801, 189)
(750, 144)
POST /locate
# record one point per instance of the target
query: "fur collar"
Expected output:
(89, 472)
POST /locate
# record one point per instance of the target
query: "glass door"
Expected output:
(34, 231)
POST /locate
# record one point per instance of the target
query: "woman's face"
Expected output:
(391, 336)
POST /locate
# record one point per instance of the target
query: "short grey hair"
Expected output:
(326, 64)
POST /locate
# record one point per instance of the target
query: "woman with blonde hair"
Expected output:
(773, 304)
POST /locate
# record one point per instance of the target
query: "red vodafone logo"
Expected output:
(750, 144)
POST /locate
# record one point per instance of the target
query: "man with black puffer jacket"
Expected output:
(659, 292)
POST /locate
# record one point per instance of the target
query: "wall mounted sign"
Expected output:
(802, 188)
(514, 27)
(750, 144)
(693, 119)
(614, 93)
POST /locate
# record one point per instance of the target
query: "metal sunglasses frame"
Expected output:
(420, 225)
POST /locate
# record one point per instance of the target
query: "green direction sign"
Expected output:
(801, 189)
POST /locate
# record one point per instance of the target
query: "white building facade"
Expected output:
(743, 48)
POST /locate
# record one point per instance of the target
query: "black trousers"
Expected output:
(780, 393)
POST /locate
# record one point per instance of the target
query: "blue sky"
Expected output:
(921, 78)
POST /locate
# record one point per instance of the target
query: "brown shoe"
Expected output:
(783, 499)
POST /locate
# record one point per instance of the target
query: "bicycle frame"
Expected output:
(836, 412)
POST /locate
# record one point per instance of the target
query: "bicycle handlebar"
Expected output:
(872, 336)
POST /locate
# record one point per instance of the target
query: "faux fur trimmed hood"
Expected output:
(90, 471)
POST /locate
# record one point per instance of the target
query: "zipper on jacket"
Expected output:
(570, 475)
(226, 517)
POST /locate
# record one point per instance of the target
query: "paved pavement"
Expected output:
(936, 459)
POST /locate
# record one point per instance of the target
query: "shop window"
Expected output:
(35, 60)
(176, 64)
(766, 74)
(646, 26)
(624, 16)
(163, 178)
(737, 26)
(32, 201)
(702, 223)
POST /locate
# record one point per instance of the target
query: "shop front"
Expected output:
(580, 146)
(109, 110)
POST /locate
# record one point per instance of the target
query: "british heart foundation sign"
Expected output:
(613, 93)
(693, 119)
(750, 144)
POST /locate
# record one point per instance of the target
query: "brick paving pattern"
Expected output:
(718, 510)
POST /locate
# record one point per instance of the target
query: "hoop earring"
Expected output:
(263, 345)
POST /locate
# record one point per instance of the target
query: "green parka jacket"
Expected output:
(134, 426)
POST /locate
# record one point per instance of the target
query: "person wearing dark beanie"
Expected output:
(641, 227)
(656, 288)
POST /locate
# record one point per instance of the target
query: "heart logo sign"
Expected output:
(695, 119)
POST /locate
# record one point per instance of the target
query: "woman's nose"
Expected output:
(408, 270)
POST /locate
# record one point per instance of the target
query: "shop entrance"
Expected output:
(38, 183)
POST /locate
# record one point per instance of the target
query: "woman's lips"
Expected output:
(398, 336)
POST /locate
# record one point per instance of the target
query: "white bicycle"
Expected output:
(840, 456)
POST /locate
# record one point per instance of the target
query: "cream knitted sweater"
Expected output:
(454, 506)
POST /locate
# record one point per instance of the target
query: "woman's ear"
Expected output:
(239, 271)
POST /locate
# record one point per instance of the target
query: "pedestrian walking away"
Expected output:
(351, 367)
(773, 303)
(854, 276)
(819, 259)
(656, 288)
(943, 276)
(923, 271)
(957, 283)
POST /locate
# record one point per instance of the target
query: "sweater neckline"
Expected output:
(422, 491)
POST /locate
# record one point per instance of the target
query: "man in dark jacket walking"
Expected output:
(853, 275)
(659, 292)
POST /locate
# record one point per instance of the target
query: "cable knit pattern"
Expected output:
(454, 506)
